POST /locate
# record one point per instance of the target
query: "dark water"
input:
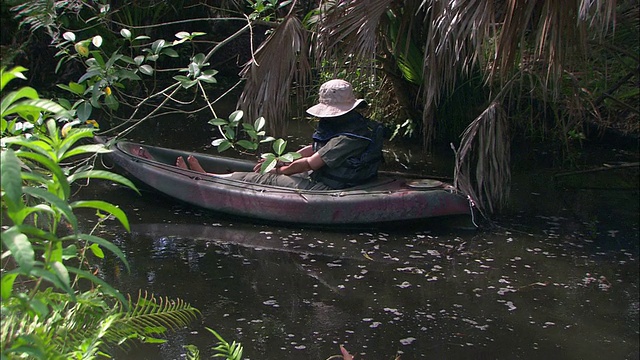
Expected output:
(555, 277)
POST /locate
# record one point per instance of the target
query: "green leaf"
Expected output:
(157, 46)
(73, 136)
(146, 69)
(108, 289)
(126, 75)
(126, 33)
(112, 102)
(20, 248)
(36, 234)
(170, 52)
(182, 35)
(69, 36)
(207, 78)
(84, 111)
(218, 122)
(85, 149)
(53, 253)
(253, 135)
(73, 87)
(199, 59)
(6, 284)
(290, 156)
(14, 96)
(259, 123)
(70, 252)
(60, 205)
(185, 82)
(269, 164)
(54, 168)
(112, 60)
(7, 76)
(103, 243)
(224, 145)
(236, 116)
(139, 60)
(152, 340)
(52, 278)
(104, 206)
(11, 181)
(279, 146)
(217, 142)
(40, 146)
(95, 249)
(34, 106)
(61, 272)
(105, 175)
(248, 144)
(89, 74)
(230, 133)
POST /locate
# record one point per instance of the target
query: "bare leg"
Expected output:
(194, 164)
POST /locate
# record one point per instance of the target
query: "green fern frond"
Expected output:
(231, 351)
(193, 353)
(151, 316)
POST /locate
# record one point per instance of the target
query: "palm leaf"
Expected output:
(455, 34)
(279, 63)
(485, 142)
(349, 29)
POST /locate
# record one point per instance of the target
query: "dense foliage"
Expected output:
(48, 258)
(478, 73)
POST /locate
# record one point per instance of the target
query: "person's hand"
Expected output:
(256, 167)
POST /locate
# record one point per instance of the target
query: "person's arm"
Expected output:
(313, 162)
(306, 151)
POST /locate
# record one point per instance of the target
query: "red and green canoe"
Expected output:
(386, 199)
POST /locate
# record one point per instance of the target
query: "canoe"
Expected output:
(383, 200)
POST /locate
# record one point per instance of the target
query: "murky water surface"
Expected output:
(556, 277)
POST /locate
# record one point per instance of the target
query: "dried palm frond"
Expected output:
(349, 30)
(280, 62)
(485, 142)
(560, 31)
(456, 33)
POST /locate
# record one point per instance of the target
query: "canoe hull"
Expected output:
(386, 199)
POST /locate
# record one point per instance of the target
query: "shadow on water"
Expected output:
(556, 277)
(543, 290)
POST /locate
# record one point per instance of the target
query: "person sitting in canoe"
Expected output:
(346, 149)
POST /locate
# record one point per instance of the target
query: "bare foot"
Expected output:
(141, 152)
(194, 164)
(181, 163)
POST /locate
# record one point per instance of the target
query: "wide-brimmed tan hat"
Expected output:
(336, 98)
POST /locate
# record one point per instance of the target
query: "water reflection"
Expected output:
(420, 294)
(556, 278)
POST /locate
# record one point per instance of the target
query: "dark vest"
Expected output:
(358, 168)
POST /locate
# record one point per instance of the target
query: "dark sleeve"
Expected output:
(340, 148)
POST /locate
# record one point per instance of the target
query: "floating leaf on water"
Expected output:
(407, 341)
